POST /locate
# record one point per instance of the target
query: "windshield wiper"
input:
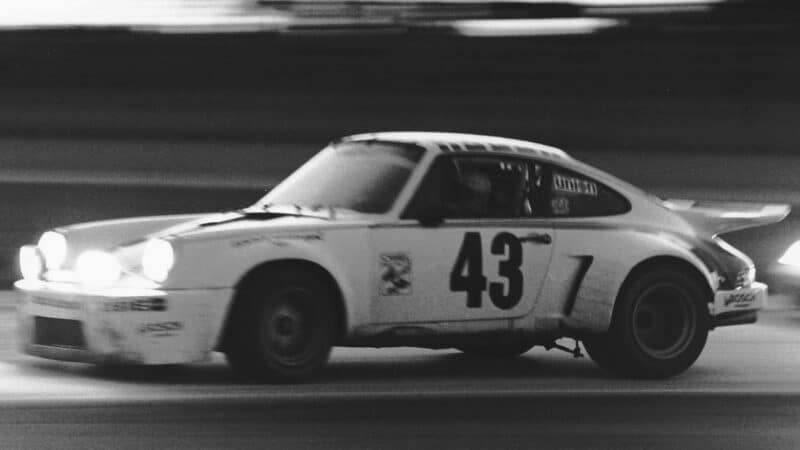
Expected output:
(331, 209)
(298, 210)
(242, 214)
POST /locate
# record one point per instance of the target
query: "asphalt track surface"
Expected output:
(743, 392)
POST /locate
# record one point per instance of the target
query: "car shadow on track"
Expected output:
(463, 366)
(451, 366)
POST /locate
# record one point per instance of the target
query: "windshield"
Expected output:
(361, 176)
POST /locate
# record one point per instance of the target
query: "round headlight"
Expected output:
(157, 259)
(30, 262)
(792, 255)
(97, 268)
(54, 249)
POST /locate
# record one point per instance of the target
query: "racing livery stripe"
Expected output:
(456, 147)
(475, 147)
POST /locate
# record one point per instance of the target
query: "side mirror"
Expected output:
(430, 215)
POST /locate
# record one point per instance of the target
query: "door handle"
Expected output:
(537, 238)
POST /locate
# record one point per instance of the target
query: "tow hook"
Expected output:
(575, 352)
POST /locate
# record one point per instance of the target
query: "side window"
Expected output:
(475, 187)
(575, 195)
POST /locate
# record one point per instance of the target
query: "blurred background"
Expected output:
(114, 108)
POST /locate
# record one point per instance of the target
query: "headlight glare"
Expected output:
(157, 259)
(53, 246)
(97, 268)
(791, 257)
(30, 262)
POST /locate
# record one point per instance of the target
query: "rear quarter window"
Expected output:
(575, 195)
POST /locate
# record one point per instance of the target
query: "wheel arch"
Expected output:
(670, 261)
(616, 350)
(272, 266)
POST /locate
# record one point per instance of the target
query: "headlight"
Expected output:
(792, 255)
(98, 269)
(30, 262)
(157, 259)
(54, 249)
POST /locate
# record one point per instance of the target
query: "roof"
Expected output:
(461, 142)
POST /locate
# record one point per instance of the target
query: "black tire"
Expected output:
(496, 350)
(283, 327)
(659, 327)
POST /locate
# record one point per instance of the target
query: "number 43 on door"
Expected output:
(467, 274)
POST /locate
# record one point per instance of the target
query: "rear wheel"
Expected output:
(659, 327)
(284, 327)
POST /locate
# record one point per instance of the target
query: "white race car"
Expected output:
(438, 240)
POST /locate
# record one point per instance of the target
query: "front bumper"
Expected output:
(118, 325)
(738, 306)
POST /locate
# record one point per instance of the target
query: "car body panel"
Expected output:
(589, 266)
(428, 297)
(110, 234)
(122, 326)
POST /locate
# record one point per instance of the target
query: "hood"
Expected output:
(711, 217)
(112, 235)
(275, 218)
(234, 224)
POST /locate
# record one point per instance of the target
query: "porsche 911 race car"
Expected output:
(438, 240)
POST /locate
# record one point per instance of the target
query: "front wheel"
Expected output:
(659, 327)
(284, 328)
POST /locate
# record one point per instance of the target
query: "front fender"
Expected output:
(223, 263)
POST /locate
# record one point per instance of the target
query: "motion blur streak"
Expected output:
(531, 27)
(135, 13)
(236, 16)
(645, 3)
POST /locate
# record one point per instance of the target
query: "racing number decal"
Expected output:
(467, 274)
(470, 258)
(509, 269)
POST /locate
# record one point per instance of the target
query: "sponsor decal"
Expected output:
(559, 206)
(115, 338)
(142, 304)
(250, 241)
(740, 299)
(298, 236)
(160, 329)
(276, 239)
(395, 274)
(574, 185)
(56, 303)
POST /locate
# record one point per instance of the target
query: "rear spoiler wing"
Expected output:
(716, 217)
